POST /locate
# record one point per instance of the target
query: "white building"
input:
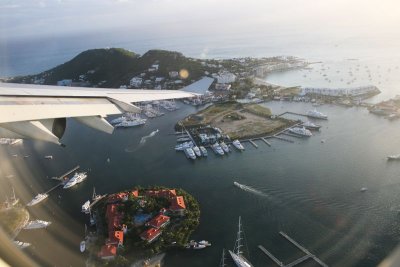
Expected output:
(226, 77)
(136, 82)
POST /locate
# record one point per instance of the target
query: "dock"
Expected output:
(61, 178)
(283, 139)
(97, 200)
(265, 141)
(254, 144)
(292, 113)
(308, 255)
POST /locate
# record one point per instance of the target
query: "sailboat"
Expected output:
(237, 253)
(83, 242)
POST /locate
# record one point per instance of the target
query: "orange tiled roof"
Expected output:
(177, 203)
(167, 193)
(115, 237)
(135, 193)
(150, 233)
(158, 221)
(108, 251)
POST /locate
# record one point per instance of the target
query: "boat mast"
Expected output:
(239, 238)
(222, 264)
(94, 193)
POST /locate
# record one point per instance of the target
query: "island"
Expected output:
(140, 223)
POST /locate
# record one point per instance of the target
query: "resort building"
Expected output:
(107, 252)
(136, 82)
(226, 77)
(115, 238)
(150, 235)
(159, 221)
(166, 193)
(178, 205)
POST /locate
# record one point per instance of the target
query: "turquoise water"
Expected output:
(311, 190)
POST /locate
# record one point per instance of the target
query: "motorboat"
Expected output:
(311, 126)
(224, 147)
(217, 149)
(203, 151)
(197, 151)
(86, 207)
(76, 179)
(236, 143)
(38, 198)
(300, 131)
(190, 153)
(183, 146)
(21, 245)
(316, 114)
(394, 157)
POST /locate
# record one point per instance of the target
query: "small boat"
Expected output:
(197, 151)
(363, 189)
(21, 245)
(183, 139)
(83, 246)
(217, 149)
(316, 114)
(224, 147)
(236, 143)
(311, 126)
(394, 157)
(48, 157)
(203, 151)
(300, 131)
(205, 243)
(197, 245)
(183, 146)
(86, 207)
(190, 153)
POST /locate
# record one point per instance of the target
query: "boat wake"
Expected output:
(133, 148)
(250, 189)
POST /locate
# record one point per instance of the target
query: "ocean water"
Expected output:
(310, 190)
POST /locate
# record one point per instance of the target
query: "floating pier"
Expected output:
(61, 178)
(293, 113)
(308, 255)
(97, 200)
(265, 141)
(254, 144)
(283, 139)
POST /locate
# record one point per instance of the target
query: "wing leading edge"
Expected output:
(31, 111)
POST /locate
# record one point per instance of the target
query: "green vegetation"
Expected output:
(12, 219)
(116, 66)
(258, 110)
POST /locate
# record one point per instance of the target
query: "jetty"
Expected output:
(61, 178)
(308, 254)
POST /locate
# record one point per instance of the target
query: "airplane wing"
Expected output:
(40, 111)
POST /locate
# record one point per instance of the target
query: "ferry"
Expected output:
(394, 157)
(311, 126)
(86, 207)
(217, 149)
(21, 245)
(37, 199)
(37, 224)
(190, 153)
(316, 114)
(196, 150)
(203, 151)
(300, 131)
(236, 143)
(224, 147)
(76, 179)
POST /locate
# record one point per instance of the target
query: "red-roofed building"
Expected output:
(118, 197)
(135, 193)
(150, 235)
(115, 238)
(167, 193)
(158, 221)
(178, 205)
(108, 252)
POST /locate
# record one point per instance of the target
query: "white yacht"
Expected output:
(203, 151)
(48, 157)
(37, 199)
(21, 245)
(183, 146)
(217, 149)
(310, 125)
(131, 123)
(82, 246)
(300, 131)
(190, 153)
(236, 143)
(76, 179)
(86, 207)
(224, 147)
(394, 157)
(316, 114)
(37, 224)
(196, 150)
(237, 253)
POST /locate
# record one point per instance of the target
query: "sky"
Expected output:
(27, 18)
